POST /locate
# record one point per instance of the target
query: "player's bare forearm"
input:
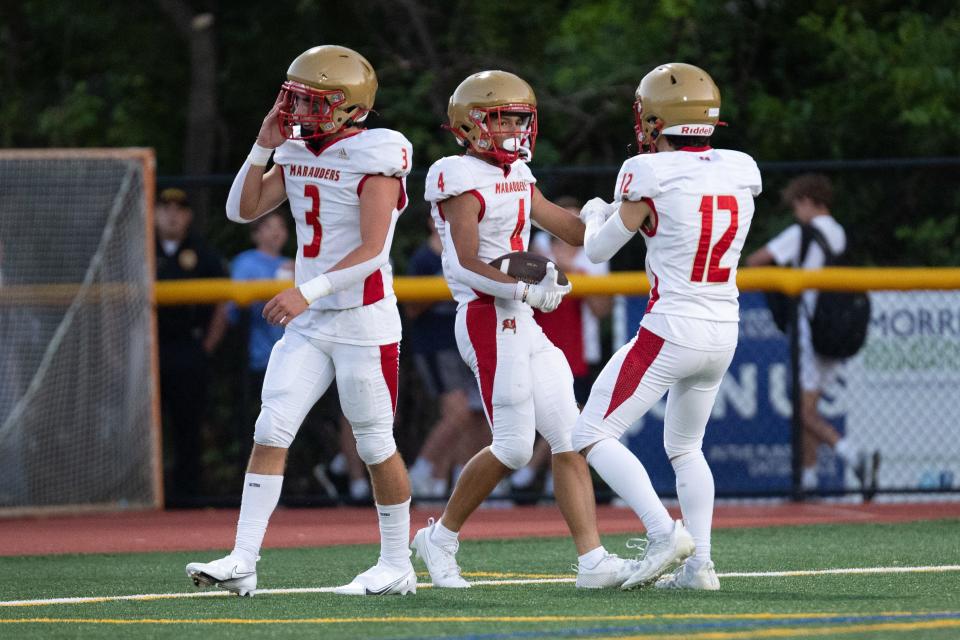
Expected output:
(262, 192)
(760, 258)
(556, 220)
(480, 267)
(461, 213)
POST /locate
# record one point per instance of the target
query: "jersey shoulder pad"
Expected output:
(448, 177)
(380, 152)
(637, 180)
(746, 170)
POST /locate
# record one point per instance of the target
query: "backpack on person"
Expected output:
(840, 319)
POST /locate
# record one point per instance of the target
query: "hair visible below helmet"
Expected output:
(675, 99)
(815, 186)
(328, 88)
(476, 107)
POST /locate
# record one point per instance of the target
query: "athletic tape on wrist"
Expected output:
(259, 156)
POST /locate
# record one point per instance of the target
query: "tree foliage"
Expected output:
(800, 81)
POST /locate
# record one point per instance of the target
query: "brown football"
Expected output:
(526, 266)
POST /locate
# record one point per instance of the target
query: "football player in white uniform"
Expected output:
(345, 186)
(693, 204)
(483, 203)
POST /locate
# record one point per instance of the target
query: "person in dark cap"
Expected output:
(188, 335)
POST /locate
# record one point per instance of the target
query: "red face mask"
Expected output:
(308, 114)
(514, 143)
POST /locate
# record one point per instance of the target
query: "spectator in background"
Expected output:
(460, 430)
(188, 335)
(573, 327)
(811, 196)
(264, 262)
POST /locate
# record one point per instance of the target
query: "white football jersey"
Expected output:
(702, 203)
(505, 200)
(323, 189)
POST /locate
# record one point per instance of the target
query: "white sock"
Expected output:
(591, 559)
(809, 478)
(260, 496)
(442, 536)
(695, 493)
(422, 468)
(846, 450)
(626, 475)
(395, 533)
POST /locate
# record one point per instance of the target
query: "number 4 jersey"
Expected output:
(323, 189)
(505, 200)
(702, 205)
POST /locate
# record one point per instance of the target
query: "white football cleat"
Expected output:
(610, 572)
(381, 580)
(689, 576)
(228, 573)
(441, 561)
(661, 555)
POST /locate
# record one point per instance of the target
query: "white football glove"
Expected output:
(596, 208)
(547, 294)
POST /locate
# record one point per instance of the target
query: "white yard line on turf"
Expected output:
(479, 583)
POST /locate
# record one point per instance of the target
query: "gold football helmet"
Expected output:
(327, 88)
(675, 99)
(475, 115)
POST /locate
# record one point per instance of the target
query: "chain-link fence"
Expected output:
(894, 404)
(895, 397)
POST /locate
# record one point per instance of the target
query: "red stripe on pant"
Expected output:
(482, 330)
(641, 355)
(390, 366)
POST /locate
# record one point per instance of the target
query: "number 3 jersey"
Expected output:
(504, 218)
(701, 201)
(323, 189)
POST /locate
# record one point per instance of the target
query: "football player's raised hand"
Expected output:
(284, 307)
(270, 135)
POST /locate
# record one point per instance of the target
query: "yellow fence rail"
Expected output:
(412, 289)
(422, 289)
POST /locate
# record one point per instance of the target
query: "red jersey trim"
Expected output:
(656, 218)
(654, 293)
(373, 288)
(329, 143)
(695, 149)
(401, 199)
(483, 203)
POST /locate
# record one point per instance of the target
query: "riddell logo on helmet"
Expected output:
(696, 130)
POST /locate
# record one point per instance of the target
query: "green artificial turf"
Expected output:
(865, 600)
